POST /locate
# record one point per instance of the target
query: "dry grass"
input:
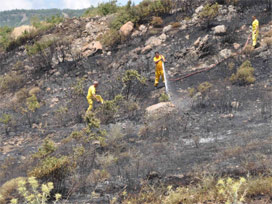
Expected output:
(268, 34)
(17, 32)
(248, 49)
(8, 189)
(157, 21)
(176, 24)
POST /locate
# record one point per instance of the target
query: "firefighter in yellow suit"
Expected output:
(255, 30)
(159, 60)
(92, 95)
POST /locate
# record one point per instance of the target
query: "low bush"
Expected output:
(164, 97)
(248, 49)
(107, 8)
(8, 122)
(51, 168)
(111, 38)
(11, 82)
(27, 190)
(204, 87)
(39, 46)
(191, 92)
(244, 74)
(209, 11)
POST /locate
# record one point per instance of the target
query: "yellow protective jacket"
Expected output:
(91, 93)
(255, 26)
(159, 64)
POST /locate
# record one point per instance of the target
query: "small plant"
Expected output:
(47, 148)
(244, 74)
(39, 46)
(209, 11)
(157, 21)
(29, 108)
(8, 121)
(98, 176)
(248, 49)
(204, 87)
(164, 97)
(61, 114)
(231, 65)
(191, 92)
(129, 78)
(30, 192)
(231, 191)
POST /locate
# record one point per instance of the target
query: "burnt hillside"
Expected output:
(144, 144)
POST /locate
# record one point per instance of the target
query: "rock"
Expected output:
(187, 37)
(163, 37)
(143, 28)
(91, 48)
(225, 53)
(219, 30)
(235, 104)
(126, 29)
(236, 46)
(196, 43)
(153, 41)
(153, 175)
(136, 33)
(160, 110)
(146, 49)
(199, 9)
(167, 28)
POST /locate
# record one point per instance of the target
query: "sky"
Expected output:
(46, 4)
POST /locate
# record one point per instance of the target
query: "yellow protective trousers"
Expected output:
(90, 101)
(158, 74)
(254, 38)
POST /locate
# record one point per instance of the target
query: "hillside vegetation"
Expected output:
(205, 139)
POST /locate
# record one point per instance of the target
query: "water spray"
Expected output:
(166, 81)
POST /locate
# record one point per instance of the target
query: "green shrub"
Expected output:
(244, 74)
(164, 97)
(91, 12)
(51, 168)
(8, 121)
(47, 148)
(142, 12)
(39, 46)
(209, 11)
(204, 87)
(11, 82)
(111, 38)
(191, 92)
(157, 21)
(30, 192)
(5, 36)
(107, 8)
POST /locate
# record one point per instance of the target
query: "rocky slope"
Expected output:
(210, 125)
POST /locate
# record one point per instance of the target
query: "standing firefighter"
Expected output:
(255, 31)
(159, 60)
(92, 95)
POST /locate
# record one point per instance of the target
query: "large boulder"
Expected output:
(126, 29)
(160, 110)
(91, 48)
(220, 30)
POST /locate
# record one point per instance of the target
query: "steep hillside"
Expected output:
(204, 139)
(15, 18)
